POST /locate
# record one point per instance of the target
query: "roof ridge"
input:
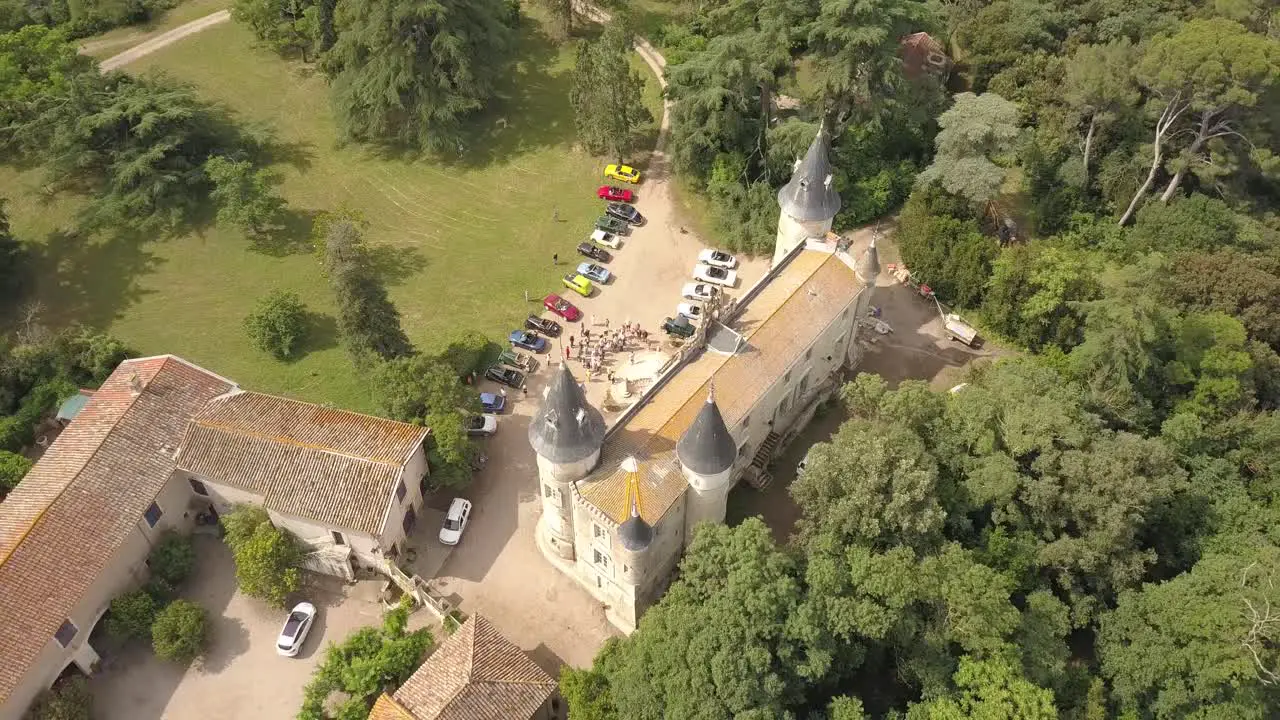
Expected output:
(133, 399)
(327, 407)
(244, 432)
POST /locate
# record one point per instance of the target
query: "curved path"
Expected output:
(146, 48)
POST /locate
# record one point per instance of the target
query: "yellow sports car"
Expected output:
(625, 173)
(578, 284)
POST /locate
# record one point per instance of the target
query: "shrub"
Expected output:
(179, 630)
(172, 559)
(278, 324)
(267, 557)
(67, 700)
(13, 467)
(131, 615)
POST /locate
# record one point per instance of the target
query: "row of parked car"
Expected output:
(714, 268)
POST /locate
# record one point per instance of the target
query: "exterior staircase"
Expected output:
(758, 476)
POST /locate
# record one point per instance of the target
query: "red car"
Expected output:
(561, 307)
(616, 194)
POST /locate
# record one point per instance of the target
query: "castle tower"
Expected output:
(868, 266)
(634, 534)
(809, 201)
(706, 452)
(567, 434)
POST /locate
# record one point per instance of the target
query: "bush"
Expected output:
(278, 324)
(131, 615)
(17, 431)
(13, 467)
(172, 559)
(68, 700)
(267, 557)
(179, 630)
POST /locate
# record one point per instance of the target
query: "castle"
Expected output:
(620, 504)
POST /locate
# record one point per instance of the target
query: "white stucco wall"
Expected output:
(792, 232)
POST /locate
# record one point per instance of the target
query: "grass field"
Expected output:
(461, 241)
(120, 39)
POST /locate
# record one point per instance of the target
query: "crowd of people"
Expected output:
(594, 349)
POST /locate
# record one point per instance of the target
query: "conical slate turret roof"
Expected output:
(566, 429)
(634, 533)
(869, 264)
(811, 195)
(707, 447)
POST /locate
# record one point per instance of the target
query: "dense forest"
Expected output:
(1089, 530)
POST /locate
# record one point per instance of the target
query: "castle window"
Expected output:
(599, 533)
(602, 560)
(551, 493)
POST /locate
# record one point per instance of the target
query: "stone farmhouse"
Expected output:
(161, 442)
(620, 505)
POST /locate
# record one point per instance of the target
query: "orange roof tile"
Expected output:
(788, 315)
(386, 708)
(70, 514)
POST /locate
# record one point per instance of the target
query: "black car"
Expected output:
(678, 326)
(507, 376)
(550, 328)
(594, 252)
(626, 212)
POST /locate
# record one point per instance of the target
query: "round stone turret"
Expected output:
(706, 452)
(566, 430)
(868, 266)
(809, 202)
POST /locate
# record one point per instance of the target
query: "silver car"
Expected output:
(295, 629)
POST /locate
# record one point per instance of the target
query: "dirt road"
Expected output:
(117, 61)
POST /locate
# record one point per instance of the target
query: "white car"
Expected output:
(699, 291)
(715, 275)
(455, 521)
(718, 259)
(295, 629)
(606, 239)
(691, 311)
(486, 424)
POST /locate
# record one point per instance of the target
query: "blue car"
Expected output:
(493, 402)
(598, 273)
(527, 339)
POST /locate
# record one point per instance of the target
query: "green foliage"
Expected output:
(267, 558)
(587, 692)
(410, 74)
(288, 26)
(947, 252)
(13, 467)
(1198, 222)
(989, 691)
(977, 133)
(607, 104)
(35, 62)
(172, 559)
(131, 615)
(278, 324)
(68, 699)
(79, 18)
(562, 15)
(369, 323)
(1033, 293)
(179, 631)
(245, 196)
(997, 35)
(426, 389)
(363, 665)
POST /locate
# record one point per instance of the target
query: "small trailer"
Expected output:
(958, 329)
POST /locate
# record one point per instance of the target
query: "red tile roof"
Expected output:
(67, 518)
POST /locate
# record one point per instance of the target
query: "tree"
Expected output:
(426, 389)
(1033, 292)
(1201, 644)
(586, 691)
(131, 615)
(36, 63)
(990, 690)
(267, 558)
(607, 104)
(942, 244)
(408, 74)
(278, 323)
(1244, 286)
(68, 699)
(179, 631)
(997, 35)
(283, 25)
(13, 467)
(976, 131)
(1099, 87)
(172, 559)
(245, 196)
(561, 12)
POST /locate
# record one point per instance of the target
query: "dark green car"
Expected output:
(679, 326)
(612, 224)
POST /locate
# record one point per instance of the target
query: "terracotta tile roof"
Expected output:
(333, 466)
(477, 674)
(386, 708)
(789, 314)
(67, 518)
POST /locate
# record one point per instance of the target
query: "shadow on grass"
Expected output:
(396, 263)
(90, 279)
(292, 237)
(322, 334)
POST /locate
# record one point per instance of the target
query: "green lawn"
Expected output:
(462, 241)
(120, 39)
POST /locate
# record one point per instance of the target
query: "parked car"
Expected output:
(483, 425)
(586, 249)
(295, 629)
(510, 377)
(492, 402)
(612, 224)
(562, 307)
(718, 259)
(623, 173)
(691, 311)
(623, 211)
(594, 272)
(519, 361)
(578, 284)
(679, 326)
(606, 239)
(547, 327)
(613, 192)
(527, 339)
(699, 291)
(718, 276)
(455, 521)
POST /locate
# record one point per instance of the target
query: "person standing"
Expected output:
(555, 258)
